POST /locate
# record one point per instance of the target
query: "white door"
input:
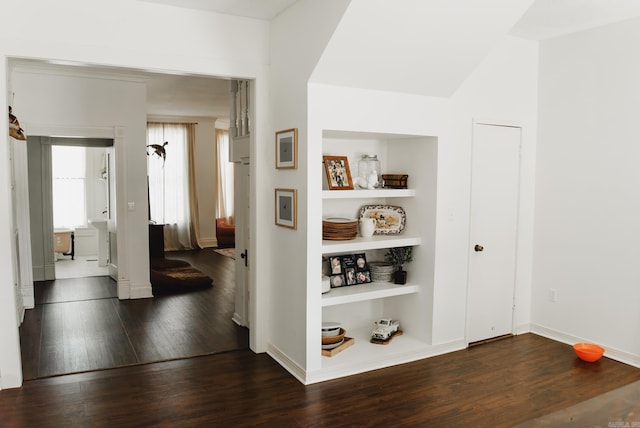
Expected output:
(493, 230)
(243, 261)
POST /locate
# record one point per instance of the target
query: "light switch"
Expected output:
(131, 206)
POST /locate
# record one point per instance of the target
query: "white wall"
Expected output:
(10, 364)
(587, 190)
(128, 33)
(94, 103)
(503, 88)
(298, 37)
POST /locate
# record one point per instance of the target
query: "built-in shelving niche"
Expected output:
(357, 307)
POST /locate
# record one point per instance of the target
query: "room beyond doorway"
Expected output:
(79, 324)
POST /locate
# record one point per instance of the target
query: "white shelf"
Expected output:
(368, 194)
(366, 355)
(358, 293)
(374, 243)
(358, 305)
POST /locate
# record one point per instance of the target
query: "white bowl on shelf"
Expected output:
(330, 329)
(333, 345)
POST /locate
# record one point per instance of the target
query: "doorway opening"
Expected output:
(180, 318)
(80, 199)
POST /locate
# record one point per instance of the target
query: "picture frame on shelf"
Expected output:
(338, 172)
(335, 264)
(287, 149)
(337, 281)
(286, 208)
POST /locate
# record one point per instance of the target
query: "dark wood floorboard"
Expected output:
(75, 289)
(500, 384)
(77, 327)
(619, 408)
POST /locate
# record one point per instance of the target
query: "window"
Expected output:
(169, 202)
(68, 171)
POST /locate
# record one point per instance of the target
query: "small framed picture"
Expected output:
(361, 262)
(287, 149)
(363, 277)
(337, 281)
(286, 208)
(338, 173)
(350, 274)
(335, 265)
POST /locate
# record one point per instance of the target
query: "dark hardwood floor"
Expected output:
(523, 379)
(79, 324)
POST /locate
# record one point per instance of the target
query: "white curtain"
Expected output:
(68, 171)
(169, 183)
(225, 171)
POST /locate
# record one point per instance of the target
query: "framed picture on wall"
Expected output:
(338, 173)
(286, 208)
(287, 149)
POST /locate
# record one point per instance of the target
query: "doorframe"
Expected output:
(117, 134)
(503, 123)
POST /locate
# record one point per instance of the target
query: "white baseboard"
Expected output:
(613, 353)
(238, 320)
(286, 362)
(124, 289)
(44, 272)
(208, 242)
(322, 375)
(49, 271)
(141, 291)
(522, 329)
(28, 298)
(38, 273)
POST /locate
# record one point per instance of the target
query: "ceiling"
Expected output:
(545, 18)
(259, 9)
(552, 18)
(199, 96)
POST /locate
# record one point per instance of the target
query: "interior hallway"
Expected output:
(79, 324)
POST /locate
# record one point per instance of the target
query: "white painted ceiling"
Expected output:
(544, 19)
(197, 96)
(423, 48)
(259, 9)
(552, 18)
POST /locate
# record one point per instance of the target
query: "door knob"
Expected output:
(478, 248)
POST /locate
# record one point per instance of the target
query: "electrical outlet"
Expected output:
(553, 295)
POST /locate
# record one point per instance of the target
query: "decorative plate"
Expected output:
(390, 220)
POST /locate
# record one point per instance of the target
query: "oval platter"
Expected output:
(390, 220)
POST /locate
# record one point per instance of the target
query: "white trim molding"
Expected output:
(322, 375)
(209, 242)
(613, 353)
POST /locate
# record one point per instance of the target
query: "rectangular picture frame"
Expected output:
(286, 208)
(287, 149)
(338, 172)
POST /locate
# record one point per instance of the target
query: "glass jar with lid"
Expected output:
(369, 172)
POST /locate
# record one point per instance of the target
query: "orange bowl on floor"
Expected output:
(588, 351)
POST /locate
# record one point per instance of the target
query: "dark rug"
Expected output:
(171, 276)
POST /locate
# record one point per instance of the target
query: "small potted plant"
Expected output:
(399, 256)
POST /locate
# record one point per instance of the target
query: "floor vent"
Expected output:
(493, 339)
